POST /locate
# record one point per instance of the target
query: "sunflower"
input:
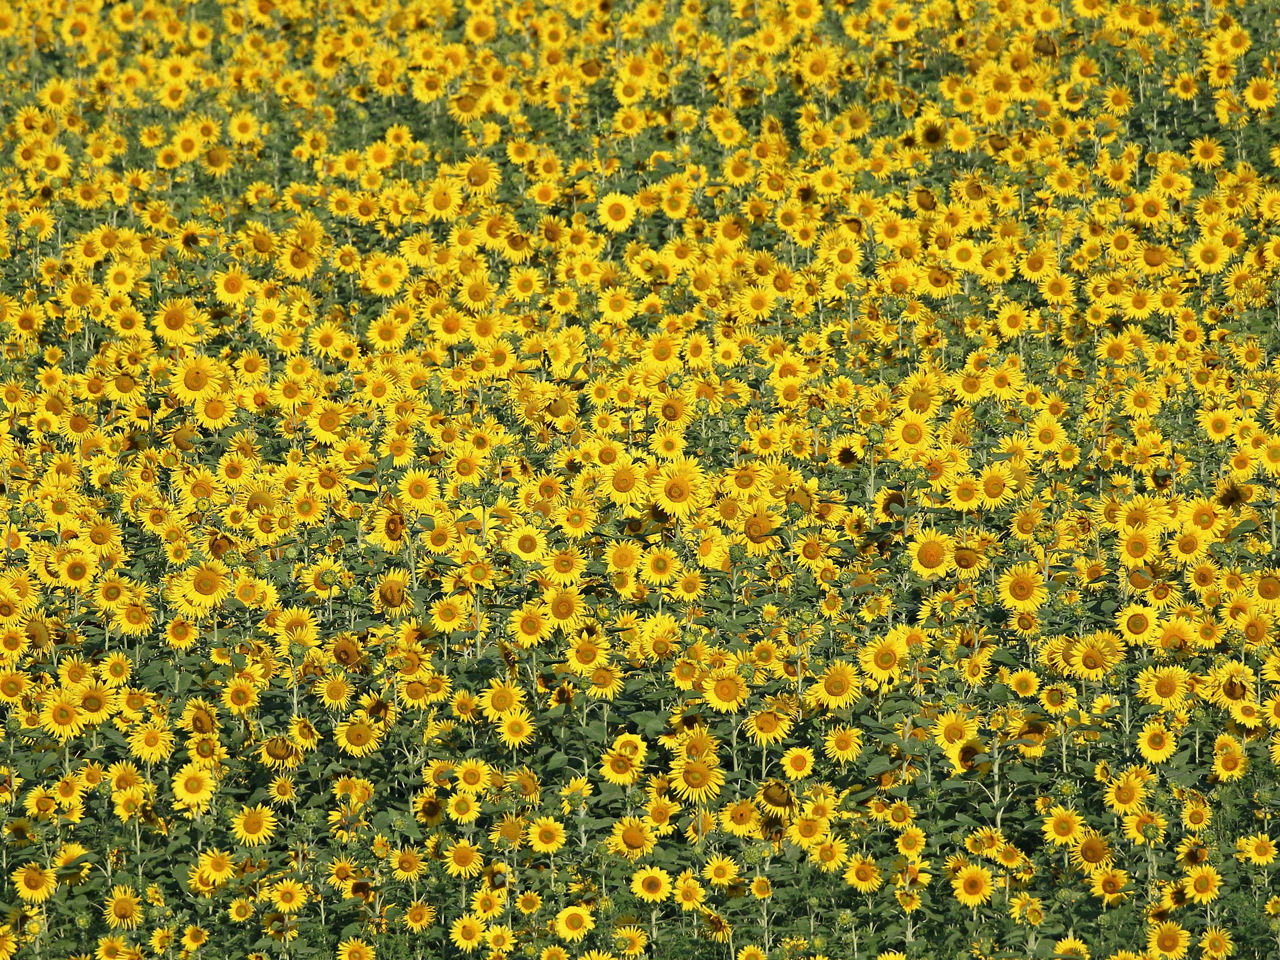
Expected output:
(1216, 943)
(34, 883)
(768, 726)
(884, 660)
(630, 939)
(965, 494)
(196, 378)
(1156, 743)
(631, 837)
(1258, 849)
(515, 727)
(546, 835)
(862, 874)
(843, 743)
(152, 741)
(847, 450)
(391, 593)
(178, 322)
(720, 871)
(689, 893)
(1125, 794)
(1022, 588)
(1261, 93)
(932, 554)
(463, 808)
(240, 696)
(797, 763)
(116, 669)
(1091, 851)
(616, 212)
(205, 585)
(1046, 433)
(651, 884)
(607, 681)
(689, 586)
(566, 607)
(1230, 763)
(972, 885)
(1202, 883)
(407, 863)
(1196, 814)
(77, 571)
(449, 613)
(1135, 548)
(472, 775)
(626, 484)
(528, 543)
(479, 175)
(467, 932)
(725, 690)
(282, 789)
(837, 687)
(123, 908)
(530, 625)
(463, 860)
(1206, 153)
(1208, 255)
(1093, 657)
(254, 825)
(335, 690)
(952, 729)
(995, 485)
(573, 923)
(1187, 546)
(678, 487)
(659, 566)
(353, 948)
(909, 433)
(564, 567)
(419, 915)
(741, 818)
(1165, 686)
(1168, 940)
(193, 787)
(62, 715)
(358, 735)
(1062, 827)
(697, 780)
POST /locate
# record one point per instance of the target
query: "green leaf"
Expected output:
(879, 764)
(1019, 772)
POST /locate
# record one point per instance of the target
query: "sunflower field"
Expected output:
(581, 479)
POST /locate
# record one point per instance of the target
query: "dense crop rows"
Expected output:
(584, 480)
